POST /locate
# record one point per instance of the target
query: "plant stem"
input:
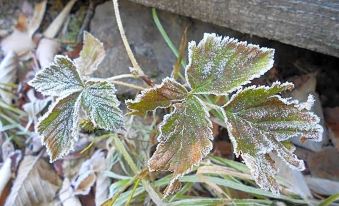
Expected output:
(121, 76)
(127, 85)
(130, 54)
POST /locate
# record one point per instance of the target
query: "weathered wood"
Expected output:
(311, 24)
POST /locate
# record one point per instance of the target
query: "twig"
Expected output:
(121, 76)
(127, 85)
(136, 70)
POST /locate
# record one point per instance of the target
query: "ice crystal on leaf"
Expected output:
(58, 127)
(258, 120)
(67, 80)
(59, 79)
(221, 65)
(101, 105)
(160, 96)
(185, 138)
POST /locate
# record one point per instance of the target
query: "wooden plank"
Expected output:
(310, 24)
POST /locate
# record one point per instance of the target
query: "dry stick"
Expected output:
(86, 21)
(137, 71)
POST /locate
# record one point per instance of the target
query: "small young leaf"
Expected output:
(258, 121)
(185, 138)
(159, 96)
(59, 127)
(61, 78)
(102, 106)
(221, 65)
(91, 55)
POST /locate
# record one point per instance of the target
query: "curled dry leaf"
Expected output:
(35, 184)
(55, 26)
(258, 120)
(46, 51)
(185, 138)
(8, 75)
(20, 41)
(67, 196)
(221, 65)
(91, 55)
(159, 96)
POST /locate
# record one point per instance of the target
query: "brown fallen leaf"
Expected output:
(5, 174)
(21, 41)
(36, 183)
(67, 196)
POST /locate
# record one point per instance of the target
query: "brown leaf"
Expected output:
(36, 183)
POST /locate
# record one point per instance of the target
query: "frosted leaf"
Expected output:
(221, 65)
(258, 120)
(59, 126)
(91, 55)
(61, 78)
(185, 138)
(158, 96)
(263, 170)
(102, 106)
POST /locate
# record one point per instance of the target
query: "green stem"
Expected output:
(328, 201)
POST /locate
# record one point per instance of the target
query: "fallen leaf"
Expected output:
(332, 122)
(102, 186)
(83, 183)
(46, 51)
(55, 26)
(67, 196)
(5, 174)
(36, 183)
(91, 55)
(35, 21)
(8, 75)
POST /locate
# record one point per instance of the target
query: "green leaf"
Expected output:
(185, 138)
(258, 120)
(221, 65)
(91, 55)
(102, 106)
(159, 96)
(61, 78)
(59, 126)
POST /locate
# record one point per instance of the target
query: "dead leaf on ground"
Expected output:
(36, 183)
(46, 51)
(67, 196)
(332, 121)
(324, 164)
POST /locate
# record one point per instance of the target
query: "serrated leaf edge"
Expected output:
(288, 101)
(204, 152)
(117, 102)
(31, 82)
(75, 128)
(222, 39)
(140, 96)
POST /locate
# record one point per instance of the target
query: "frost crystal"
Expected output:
(185, 138)
(159, 96)
(258, 120)
(58, 126)
(101, 105)
(61, 78)
(221, 65)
